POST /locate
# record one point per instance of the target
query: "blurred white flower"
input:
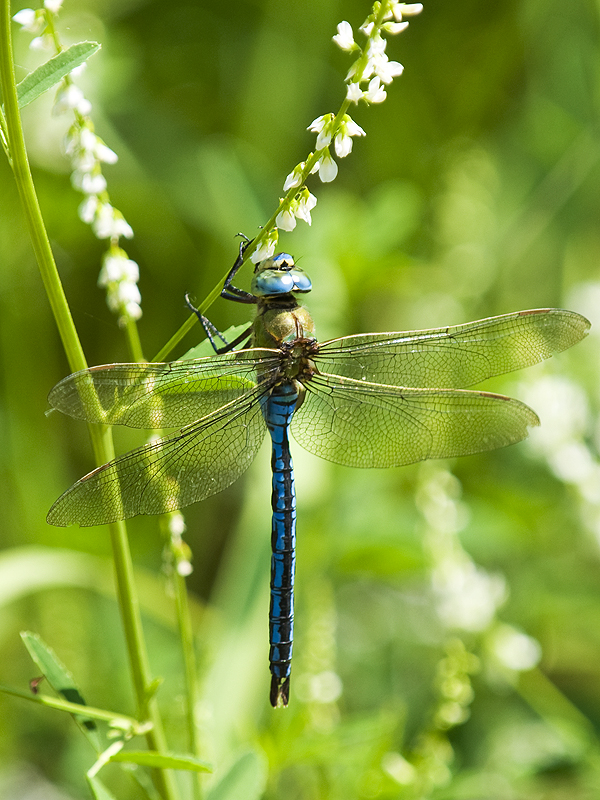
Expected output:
(467, 596)
(53, 5)
(514, 649)
(29, 20)
(70, 98)
(562, 407)
(119, 275)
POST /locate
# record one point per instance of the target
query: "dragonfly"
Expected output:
(367, 400)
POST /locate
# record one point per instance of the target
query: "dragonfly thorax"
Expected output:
(278, 276)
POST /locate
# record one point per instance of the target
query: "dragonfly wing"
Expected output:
(170, 473)
(358, 424)
(161, 395)
(454, 357)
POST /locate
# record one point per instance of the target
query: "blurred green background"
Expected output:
(448, 614)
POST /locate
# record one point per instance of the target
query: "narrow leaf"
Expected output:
(58, 676)
(54, 70)
(148, 758)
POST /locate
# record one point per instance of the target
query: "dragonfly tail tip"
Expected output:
(280, 691)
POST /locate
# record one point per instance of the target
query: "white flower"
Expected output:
(375, 92)
(119, 275)
(354, 93)
(89, 183)
(514, 649)
(176, 523)
(402, 10)
(305, 204)
(343, 145)
(84, 161)
(468, 596)
(41, 43)
(128, 292)
(386, 70)
(103, 223)
(266, 249)
(394, 27)
(104, 153)
(367, 28)
(122, 227)
(29, 20)
(87, 138)
(344, 37)
(71, 98)
(53, 5)
(286, 220)
(133, 311)
(323, 127)
(294, 179)
(87, 209)
(116, 268)
(328, 169)
(78, 70)
(376, 45)
(343, 142)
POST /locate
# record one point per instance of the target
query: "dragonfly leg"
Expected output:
(212, 331)
(230, 292)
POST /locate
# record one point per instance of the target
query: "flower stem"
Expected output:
(100, 435)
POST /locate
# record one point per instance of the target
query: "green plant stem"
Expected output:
(100, 435)
(189, 661)
(71, 708)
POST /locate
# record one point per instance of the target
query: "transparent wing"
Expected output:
(170, 473)
(361, 424)
(161, 395)
(454, 357)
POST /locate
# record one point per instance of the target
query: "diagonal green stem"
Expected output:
(100, 435)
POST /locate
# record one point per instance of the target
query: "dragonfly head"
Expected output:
(279, 275)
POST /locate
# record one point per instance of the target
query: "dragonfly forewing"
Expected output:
(454, 357)
(359, 424)
(161, 395)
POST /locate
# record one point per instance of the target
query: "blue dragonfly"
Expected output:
(368, 400)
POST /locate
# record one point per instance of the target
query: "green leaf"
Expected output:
(98, 789)
(59, 677)
(246, 778)
(205, 348)
(147, 758)
(54, 70)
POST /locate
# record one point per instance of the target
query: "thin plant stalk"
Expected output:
(100, 435)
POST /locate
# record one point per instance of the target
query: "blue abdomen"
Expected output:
(278, 410)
